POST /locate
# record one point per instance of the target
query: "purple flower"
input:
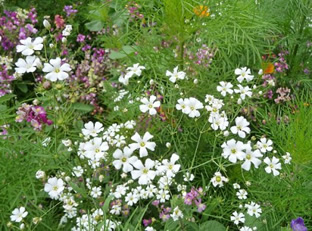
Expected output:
(69, 10)
(80, 38)
(200, 206)
(298, 225)
(147, 222)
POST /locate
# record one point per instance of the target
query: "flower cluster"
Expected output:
(36, 115)
(5, 81)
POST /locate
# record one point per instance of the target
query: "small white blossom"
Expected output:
(243, 73)
(287, 158)
(273, 165)
(149, 105)
(175, 75)
(28, 46)
(225, 88)
(177, 213)
(238, 218)
(217, 180)
(18, 214)
(56, 70)
(142, 143)
(54, 187)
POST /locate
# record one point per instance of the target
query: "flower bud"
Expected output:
(46, 24)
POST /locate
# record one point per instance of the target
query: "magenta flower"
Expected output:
(147, 222)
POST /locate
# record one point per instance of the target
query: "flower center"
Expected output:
(145, 171)
(97, 150)
(170, 166)
(124, 159)
(57, 70)
(218, 178)
(248, 156)
(150, 105)
(55, 188)
(233, 151)
(142, 144)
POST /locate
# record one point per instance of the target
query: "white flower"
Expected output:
(131, 198)
(218, 121)
(287, 158)
(169, 167)
(124, 159)
(120, 191)
(40, 174)
(123, 79)
(92, 129)
(273, 165)
(175, 75)
(225, 88)
(143, 172)
(46, 24)
(18, 214)
(136, 69)
(265, 145)
(243, 91)
(218, 179)
(241, 127)
(253, 209)
(67, 30)
(67, 142)
(149, 105)
(177, 213)
(251, 157)
(28, 47)
(245, 228)
(236, 186)
(188, 176)
(26, 66)
(163, 195)
(233, 150)
(242, 194)
(142, 143)
(96, 192)
(119, 140)
(243, 73)
(181, 105)
(46, 141)
(116, 209)
(96, 149)
(237, 218)
(77, 171)
(54, 187)
(149, 228)
(56, 70)
(192, 107)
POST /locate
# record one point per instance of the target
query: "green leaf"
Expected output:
(286, 229)
(78, 189)
(128, 49)
(23, 87)
(116, 55)
(6, 97)
(253, 221)
(95, 25)
(212, 226)
(85, 108)
(191, 226)
(125, 50)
